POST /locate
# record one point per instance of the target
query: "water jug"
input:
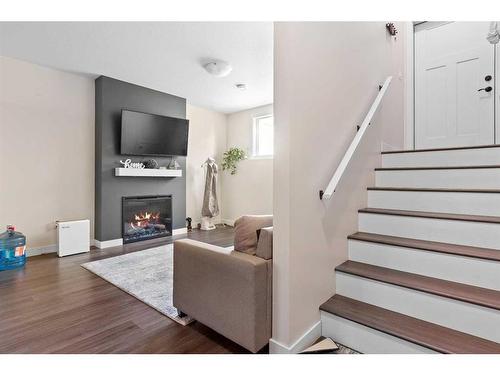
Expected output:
(12, 249)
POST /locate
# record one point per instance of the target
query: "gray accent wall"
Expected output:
(111, 96)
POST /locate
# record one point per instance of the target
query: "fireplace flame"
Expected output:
(142, 219)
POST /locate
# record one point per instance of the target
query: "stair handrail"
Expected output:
(339, 172)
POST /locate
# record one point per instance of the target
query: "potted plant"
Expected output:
(231, 158)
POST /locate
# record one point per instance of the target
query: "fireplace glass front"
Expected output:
(146, 217)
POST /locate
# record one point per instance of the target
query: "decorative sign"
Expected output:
(128, 164)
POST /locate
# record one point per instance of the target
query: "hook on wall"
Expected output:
(391, 28)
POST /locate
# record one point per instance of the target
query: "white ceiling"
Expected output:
(166, 56)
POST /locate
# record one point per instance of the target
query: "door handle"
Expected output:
(487, 89)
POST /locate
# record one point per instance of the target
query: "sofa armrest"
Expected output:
(265, 243)
(225, 290)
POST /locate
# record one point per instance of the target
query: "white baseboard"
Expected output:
(109, 243)
(34, 251)
(228, 222)
(40, 250)
(311, 335)
(194, 224)
(179, 231)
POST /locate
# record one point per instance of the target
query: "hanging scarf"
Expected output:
(210, 206)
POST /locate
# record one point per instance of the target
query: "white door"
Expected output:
(454, 85)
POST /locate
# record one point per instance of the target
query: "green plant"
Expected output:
(231, 158)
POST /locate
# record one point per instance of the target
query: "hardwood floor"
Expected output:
(449, 289)
(56, 306)
(420, 332)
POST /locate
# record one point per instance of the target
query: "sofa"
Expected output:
(229, 290)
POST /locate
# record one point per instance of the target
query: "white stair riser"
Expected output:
(487, 204)
(364, 339)
(466, 270)
(480, 178)
(461, 316)
(451, 231)
(480, 156)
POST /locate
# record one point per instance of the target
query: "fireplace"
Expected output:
(146, 217)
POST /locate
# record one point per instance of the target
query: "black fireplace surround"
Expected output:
(146, 217)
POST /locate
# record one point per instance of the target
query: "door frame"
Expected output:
(409, 83)
(409, 90)
(497, 94)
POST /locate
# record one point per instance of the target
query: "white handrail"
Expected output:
(330, 189)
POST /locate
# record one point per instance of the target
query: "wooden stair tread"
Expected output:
(438, 168)
(420, 332)
(439, 247)
(438, 190)
(467, 293)
(432, 215)
(439, 149)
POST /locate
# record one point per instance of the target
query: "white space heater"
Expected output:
(73, 237)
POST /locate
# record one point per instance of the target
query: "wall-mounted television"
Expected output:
(149, 134)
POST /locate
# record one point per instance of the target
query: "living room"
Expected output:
(249, 178)
(88, 126)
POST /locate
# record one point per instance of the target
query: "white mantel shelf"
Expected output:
(136, 172)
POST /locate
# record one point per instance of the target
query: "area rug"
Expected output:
(147, 275)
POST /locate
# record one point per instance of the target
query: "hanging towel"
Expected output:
(210, 206)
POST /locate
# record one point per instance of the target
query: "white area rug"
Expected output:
(147, 275)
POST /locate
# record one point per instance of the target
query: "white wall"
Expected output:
(393, 126)
(47, 153)
(46, 149)
(207, 138)
(326, 77)
(250, 190)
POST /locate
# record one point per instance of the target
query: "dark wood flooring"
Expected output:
(420, 332)
(462, 292)
(438, 247)
(54, 305)
(432, 215)
(438, 149)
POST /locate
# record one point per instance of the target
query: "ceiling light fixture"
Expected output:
(218, 68)
(241, 86)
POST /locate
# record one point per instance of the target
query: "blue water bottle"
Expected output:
(12, 249)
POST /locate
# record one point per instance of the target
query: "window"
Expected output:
(263, 136)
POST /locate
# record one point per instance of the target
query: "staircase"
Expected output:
(423, 274)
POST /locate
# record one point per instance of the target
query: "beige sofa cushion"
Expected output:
(265, 243)
(245, 232)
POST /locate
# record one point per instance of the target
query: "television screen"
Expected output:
(148, 134)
